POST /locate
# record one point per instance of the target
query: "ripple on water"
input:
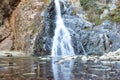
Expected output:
(41, 68)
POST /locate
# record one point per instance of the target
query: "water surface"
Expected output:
(47, 68)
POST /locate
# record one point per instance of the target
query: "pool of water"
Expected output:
(47, 68)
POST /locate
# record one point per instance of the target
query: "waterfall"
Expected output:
(61, 40)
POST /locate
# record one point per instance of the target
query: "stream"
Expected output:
(68, 68)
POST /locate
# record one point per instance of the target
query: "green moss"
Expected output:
(32, 28)
(98, 21)
(116, 19)
(86, 4)
(99, 11)
(74, 12)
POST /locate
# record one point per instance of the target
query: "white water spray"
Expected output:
(61, 40)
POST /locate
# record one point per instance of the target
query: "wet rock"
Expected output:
(79, 29)
(43, 41)
(97, 39)
(86, 37)
(110, 38)
(90, 39)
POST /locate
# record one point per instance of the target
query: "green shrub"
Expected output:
(86, 4)
(115, 15)
(94, 11)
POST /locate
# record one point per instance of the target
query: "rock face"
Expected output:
(6, 36)
(43, 42)
(26, 21)
(20, 21)
(86, 37)
(6, 8)
(94, 39)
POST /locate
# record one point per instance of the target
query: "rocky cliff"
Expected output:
(20, 21)
(90, 34)
(6, 10)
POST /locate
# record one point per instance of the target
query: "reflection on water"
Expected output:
(62, 71)
(57, 69)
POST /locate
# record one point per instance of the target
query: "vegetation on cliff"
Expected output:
(97, 10)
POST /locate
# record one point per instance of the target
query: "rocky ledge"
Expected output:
(13, 54)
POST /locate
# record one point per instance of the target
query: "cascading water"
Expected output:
(61, 40)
